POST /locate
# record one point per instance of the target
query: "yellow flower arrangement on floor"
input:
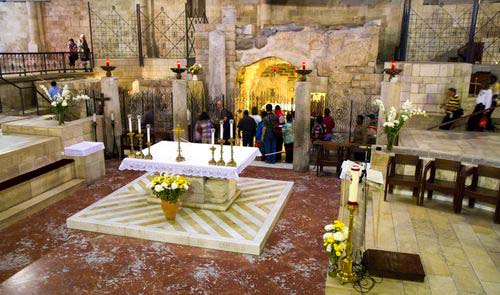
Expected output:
(169, 188)
(334, 241)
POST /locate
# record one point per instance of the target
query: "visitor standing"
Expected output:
(220, 114)
(288, 138)
(359, 135)
(483, 101)
(278, 131)
(73, 53)
(258, 136)
(318, 130)
(268, 137)
(329, 124)
(248, 127)
(255, 115)
(54, 90)
(84, 51)
(203, 126)
(452, 108)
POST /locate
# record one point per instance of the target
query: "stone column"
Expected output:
(179, 89)
(390, 95)
(35, 42)
(216, 64)
(263, 13)
(109, 88)
(302, 127)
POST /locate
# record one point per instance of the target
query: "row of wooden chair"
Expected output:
(420, 181)
(332, 154)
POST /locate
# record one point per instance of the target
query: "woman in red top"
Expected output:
(329, 124)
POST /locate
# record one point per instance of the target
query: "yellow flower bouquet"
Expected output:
(334, 241)
(169, 188)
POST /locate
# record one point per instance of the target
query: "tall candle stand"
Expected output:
(94, 125)
(221, 161)
(148, 156)
(131, 154)
(231, 163)
(212, 162)
(114, 153)
(346, 274)
(139, 139)
(178, 131)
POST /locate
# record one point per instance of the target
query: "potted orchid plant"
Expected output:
(395, 120)
(60, 102)
(169, 188)
(334, 241)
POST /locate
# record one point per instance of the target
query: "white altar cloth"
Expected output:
(197, 156)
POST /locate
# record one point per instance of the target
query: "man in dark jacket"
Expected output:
(247, 126)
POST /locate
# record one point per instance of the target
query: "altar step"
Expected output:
(30, 192)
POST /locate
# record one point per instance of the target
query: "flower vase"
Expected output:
(391, 138)
(195, 77)
(333, 267)
(60, 118)
(170, 209)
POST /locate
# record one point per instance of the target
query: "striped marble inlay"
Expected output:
(244, 227)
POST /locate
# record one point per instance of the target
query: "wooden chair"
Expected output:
(330, 155)
(448, 187)
(412, 181)
(476, 193)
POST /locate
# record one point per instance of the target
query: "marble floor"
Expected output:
(40, 255)
(243, 227)
(460, 252)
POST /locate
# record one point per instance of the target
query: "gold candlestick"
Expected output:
(149, 156)
(139, 142)
(178, 130)
(212, 162)
(131, 154)
(231, 163)
(221, 161)
(346, 274)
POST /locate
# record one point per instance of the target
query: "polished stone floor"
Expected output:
(40, 255)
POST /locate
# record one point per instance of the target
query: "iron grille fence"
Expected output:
(142, 34)
(461, 32)
(23, 63)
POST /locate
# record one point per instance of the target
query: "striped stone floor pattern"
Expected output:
(244, 227)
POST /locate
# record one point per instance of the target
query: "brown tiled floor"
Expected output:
(40, 255)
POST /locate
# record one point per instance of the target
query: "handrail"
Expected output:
(464, 117)
(33, 87)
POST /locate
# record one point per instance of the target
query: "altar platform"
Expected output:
(243, 228)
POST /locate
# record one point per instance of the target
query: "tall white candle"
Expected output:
(139, 124)
(213, 135)
(231, 122)
(112, 116)
(130, 123)
(221, 123)
(353, 188)
(94, 117)
(148, 128)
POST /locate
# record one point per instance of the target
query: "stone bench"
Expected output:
(89, 159)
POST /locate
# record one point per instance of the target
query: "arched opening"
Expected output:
(270, 80)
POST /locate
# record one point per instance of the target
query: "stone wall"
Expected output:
(425, 84)
(13, 19)
(342, 58)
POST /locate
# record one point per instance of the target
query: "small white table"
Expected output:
(212, 187)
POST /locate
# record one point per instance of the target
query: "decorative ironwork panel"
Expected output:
(436, 33)
(488, 32)
(113, 34)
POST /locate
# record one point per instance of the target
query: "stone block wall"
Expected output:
(425, 84)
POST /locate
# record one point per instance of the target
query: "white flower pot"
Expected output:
(195, 77)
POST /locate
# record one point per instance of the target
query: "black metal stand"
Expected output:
(178, 72)
(303, 74)
(114, 152)
(94, 124)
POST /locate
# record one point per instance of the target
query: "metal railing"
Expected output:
(35, 94)
(23, 63)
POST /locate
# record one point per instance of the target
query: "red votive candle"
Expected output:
(108, 62)
(393, 65)
(303, 65)
(178, 64)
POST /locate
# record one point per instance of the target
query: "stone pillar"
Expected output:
(390, 95)
(263, 14)
(179, 89)
(35, 42)
(109, 88)
(302, 127)
(216, 64)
